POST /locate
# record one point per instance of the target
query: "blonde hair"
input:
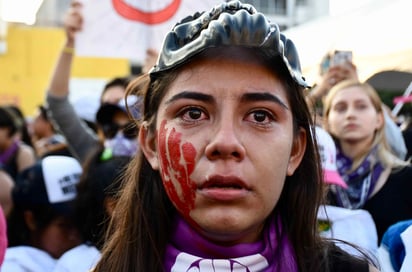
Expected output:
(385, 154)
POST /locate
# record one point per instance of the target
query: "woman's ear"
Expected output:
(297, 152)
(380, 120)
(147, 142)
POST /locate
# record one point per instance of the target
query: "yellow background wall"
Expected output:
(26, 67)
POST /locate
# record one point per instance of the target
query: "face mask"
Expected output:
(121, 146)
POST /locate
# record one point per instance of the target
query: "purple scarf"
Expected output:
(6, 155)
(188, 251)
(361, 181)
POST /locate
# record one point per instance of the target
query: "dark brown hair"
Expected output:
(144, 212)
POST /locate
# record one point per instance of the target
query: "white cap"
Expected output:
(61, 174)
(327, 152)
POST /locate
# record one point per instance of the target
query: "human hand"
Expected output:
(334, 75)
(73, 21)
(341, 72)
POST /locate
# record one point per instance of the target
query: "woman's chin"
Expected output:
(227, 228)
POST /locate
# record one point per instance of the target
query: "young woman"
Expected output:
(40, 227)
(378, 181)
(229, 177)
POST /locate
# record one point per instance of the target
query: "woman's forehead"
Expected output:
(351, 93)
(222, 73)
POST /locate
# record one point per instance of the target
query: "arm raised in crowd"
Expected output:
(73, 21)
(80, 138)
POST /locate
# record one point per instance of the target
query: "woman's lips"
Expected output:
(350, 126)
(224, 188)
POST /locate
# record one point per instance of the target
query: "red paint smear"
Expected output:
(151, 18)
(177, 162)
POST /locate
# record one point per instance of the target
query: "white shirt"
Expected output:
(78, 259)
(27, 259)
(354, 226)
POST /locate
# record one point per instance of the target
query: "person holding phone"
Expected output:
(378, 180)
(338, 67)
(334, 68)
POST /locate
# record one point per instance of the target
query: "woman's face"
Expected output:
(59, 236)
(120, 136)
(352, 117)
(224, 145)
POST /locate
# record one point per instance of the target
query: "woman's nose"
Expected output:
(350, 112)
(225, 143)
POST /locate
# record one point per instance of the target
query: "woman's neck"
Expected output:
(355, 149)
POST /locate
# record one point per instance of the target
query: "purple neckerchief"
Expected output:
(5, 156)
(361, 181)
(189, 251)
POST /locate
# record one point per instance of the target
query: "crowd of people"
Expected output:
(219, 156)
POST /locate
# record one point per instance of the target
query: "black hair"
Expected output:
(8, 119)
(22, 124)
(101, 179)
(43, 113)
(18, 233)
(117, 81)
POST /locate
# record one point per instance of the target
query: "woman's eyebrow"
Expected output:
(263, 97)
(191, 95)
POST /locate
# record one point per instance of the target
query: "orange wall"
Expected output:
(28, 63)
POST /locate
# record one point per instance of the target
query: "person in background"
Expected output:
(98, 191)
(97, 194)
(229, 177)
(355, 227)
(114, 90)
(378, 180)
(40, 225)
(395, 245)
(81, 139)
(119, 131)
(24, 134)
(394, 134)
(47, 141)
(15, 156)
(86, 107)
(407, 243)
(331, 73)
(6, 186)
(407, 136)
(3, 236)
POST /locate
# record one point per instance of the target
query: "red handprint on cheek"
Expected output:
(177, 162)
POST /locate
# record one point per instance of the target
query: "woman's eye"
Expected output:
(260, 116)
(339, 108)
(190, 114)
(361, 106)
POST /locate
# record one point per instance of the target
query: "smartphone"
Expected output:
(341, 57)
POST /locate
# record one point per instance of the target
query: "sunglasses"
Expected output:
(129, 130)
